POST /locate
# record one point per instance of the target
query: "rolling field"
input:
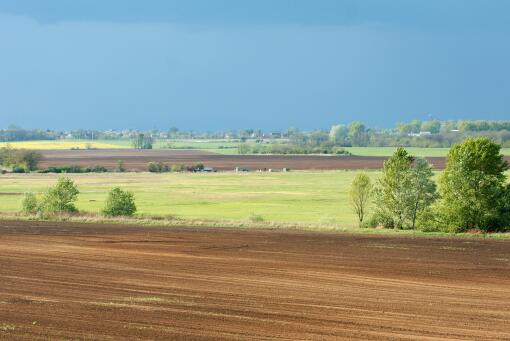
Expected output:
(113, 282)
(311, 197)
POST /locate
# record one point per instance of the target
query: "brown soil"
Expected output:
(138, 159)
(100, 282)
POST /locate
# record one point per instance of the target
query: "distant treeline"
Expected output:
(431, 133)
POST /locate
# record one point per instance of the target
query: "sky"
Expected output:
(229, 64)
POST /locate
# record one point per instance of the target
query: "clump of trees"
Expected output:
(473, 193)
(74, 169)
(60, 198)
(142, 141)
(19, 160)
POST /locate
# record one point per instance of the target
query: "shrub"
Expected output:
(119, 203)
(29, 204)
(61, 197)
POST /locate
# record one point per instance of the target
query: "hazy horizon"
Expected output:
(224, 64)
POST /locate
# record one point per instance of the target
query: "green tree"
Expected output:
(393, 193)
(423, 189)
(472, 187)
(358, 134)
(119, 203)
(339, 134)
(360, 195)
(61, 197)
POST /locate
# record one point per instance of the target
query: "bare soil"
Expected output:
(138, 160)
(111, 282)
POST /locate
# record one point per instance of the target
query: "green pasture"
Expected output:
(309, 197)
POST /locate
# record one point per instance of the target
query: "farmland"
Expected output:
(312, 197)
(113, 282)
(138, 159)
(227, 147)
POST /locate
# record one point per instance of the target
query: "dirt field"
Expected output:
(138, 159)
(81, 282)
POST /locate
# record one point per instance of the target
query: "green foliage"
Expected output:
(473, 188)
(29, 204)
(74, 169)
(360, 195)
(119, 203)
(157, 167)
(61, 197)
(404, 191)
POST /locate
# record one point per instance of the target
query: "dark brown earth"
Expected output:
(138, 159)
(99, 282)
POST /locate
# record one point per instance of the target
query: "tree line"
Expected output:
(472, 191)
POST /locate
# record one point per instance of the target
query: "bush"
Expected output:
(29, 205)
(61, 197)
(255, 218)
(119, 203)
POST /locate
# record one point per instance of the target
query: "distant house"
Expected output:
(420, 134)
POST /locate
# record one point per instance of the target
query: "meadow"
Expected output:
(308, 196)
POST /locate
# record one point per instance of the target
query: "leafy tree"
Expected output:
(119, 203)
(472, 186)
(360, 194)
(358, 134)
(61, 197)
(393, 194)
(339, 134)
(423, 189)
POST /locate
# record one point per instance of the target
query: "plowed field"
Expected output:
(138, 159)
(86, 282)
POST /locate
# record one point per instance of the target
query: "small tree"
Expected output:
(29, 204)
(360, 193)
(119, 203)
(61, 197)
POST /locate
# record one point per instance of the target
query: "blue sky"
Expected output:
(228, 64)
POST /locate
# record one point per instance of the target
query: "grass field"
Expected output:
(416, 151)
(311, 197)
